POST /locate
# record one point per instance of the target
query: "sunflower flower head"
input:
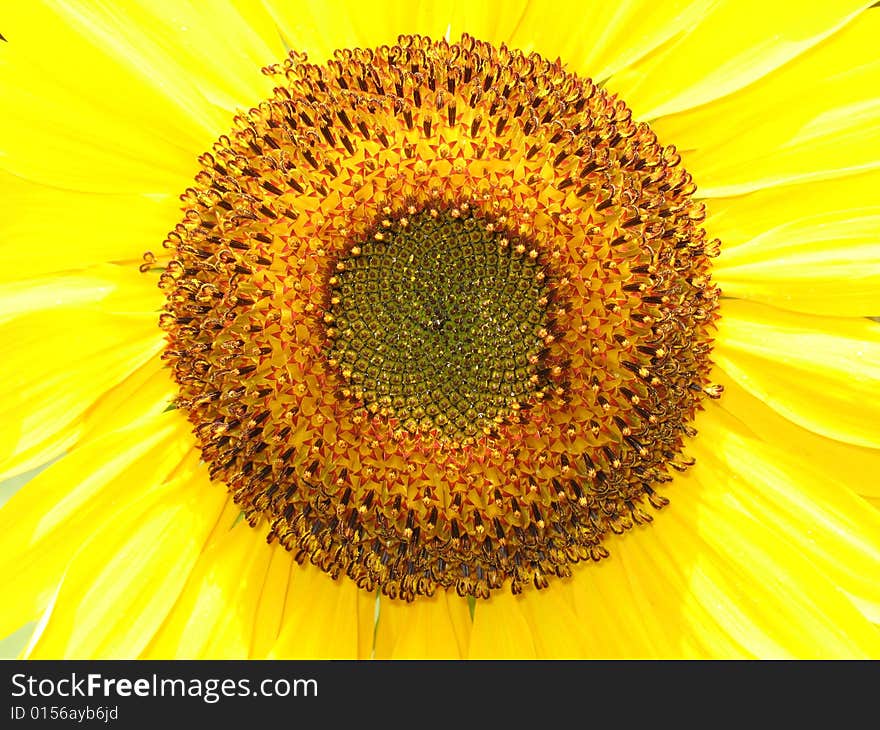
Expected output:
(440, 315)
(430, 328)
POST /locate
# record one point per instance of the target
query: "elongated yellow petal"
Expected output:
(810, 247)
(597, 40)
(25, 295)
(305, 28)
(660, 612)
(45, 230)
(128, 94)
(322, 619)
(273, 596)
(43, 451)
(815, 118)
(214, 614)
(47, 520)
(816, 513)
(429, 628)
(763, 214)
(107, 287)
(122, 582)
(822, 373)
(638, 604)
(366, 607)
(826, 264)
(768, 595)
(689, 587)
(662, 593)
(501, 629)
(558, 632)
(836, 461)
(57, 364)
(709, 61)
(143, 395)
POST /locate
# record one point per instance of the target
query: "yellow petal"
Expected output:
(270, 608)
(58, 363)
(733, 45)
(501, 629)
(143, 395)
(558, 632)
(128, 95)
(110, 288)
(835, 461)
(367, 614)
(214, 615)
(812, 248)
(48, 519)
(815, 513)
(662, 592)
(739, 220)
(427, 628)
(304, 26)
(660, 613)
(768, 596)
(688, 586)
(815, 118)
(822, 373)
(637, 604)
(122, 582)
(42, 452)
(824, 261)
(597, 40)
(821, 265)
(45, 230)
(323, 618)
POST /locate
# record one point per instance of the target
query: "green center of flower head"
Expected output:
(440, 315)
(439, 321)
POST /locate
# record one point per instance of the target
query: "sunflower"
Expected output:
(352, 330)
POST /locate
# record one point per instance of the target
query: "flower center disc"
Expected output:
(438, 322)
(440, 315)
